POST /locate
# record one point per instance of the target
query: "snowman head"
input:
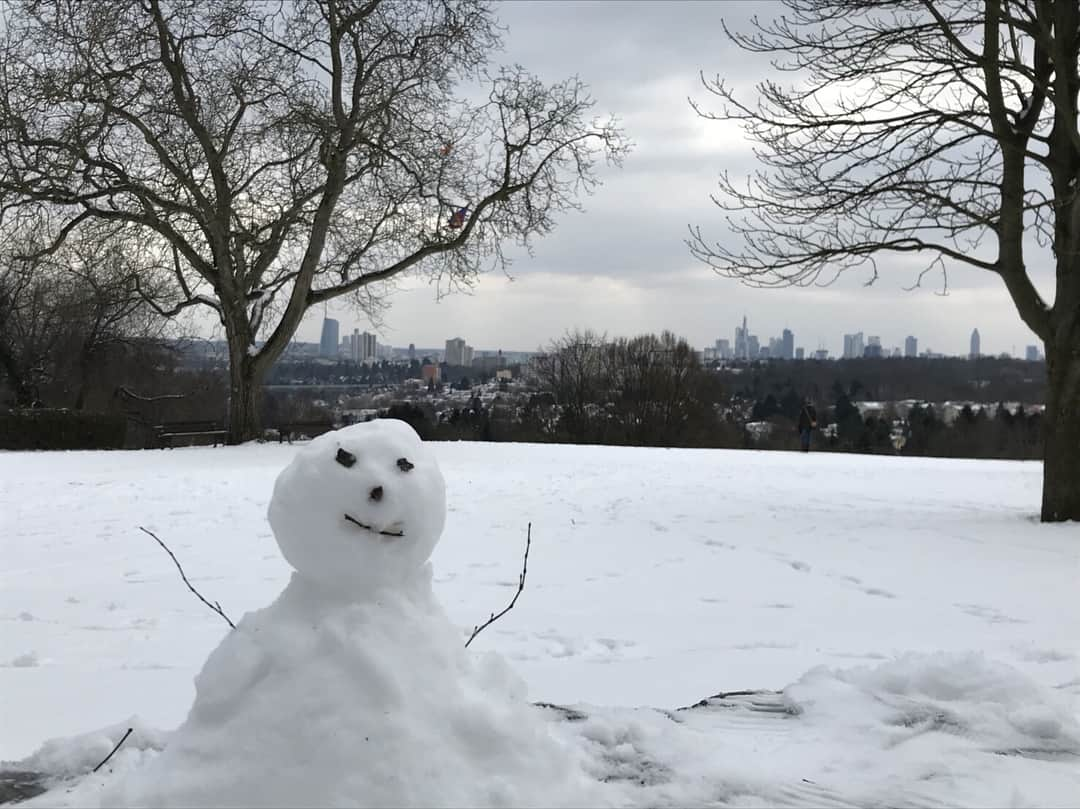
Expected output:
(360, 507)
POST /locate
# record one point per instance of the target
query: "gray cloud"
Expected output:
(622, 265)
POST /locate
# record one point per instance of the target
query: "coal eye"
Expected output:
(376, 494)
(345, 458)
(404, 465)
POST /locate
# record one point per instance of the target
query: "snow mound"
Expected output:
(990, 704)
(312, 701)
(353, 688)
(63, 768)
(76, 755)
(921, 730)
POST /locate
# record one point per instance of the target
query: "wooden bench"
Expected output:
(188, 433)
(295, 429)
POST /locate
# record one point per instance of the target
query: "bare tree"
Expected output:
(930, 127)
(282, 154)
(27, 333)
(62, 313)
(573, 369)
(654, 381)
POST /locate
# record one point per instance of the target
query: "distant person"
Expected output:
(807, 424)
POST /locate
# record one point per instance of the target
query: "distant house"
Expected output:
(759, 430)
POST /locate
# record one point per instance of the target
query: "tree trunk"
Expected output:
(1061, 433)
(84, 374)
(245, 395)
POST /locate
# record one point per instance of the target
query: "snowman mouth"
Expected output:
(385, 533)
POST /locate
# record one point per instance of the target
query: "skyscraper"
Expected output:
(328, 342)
(788, 347)
(853, 345)
(455, 351)
(911, 347)
(974, 353)
(368, 346)
(742, 344)
(1031, 354)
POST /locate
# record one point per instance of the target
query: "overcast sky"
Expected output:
(622, 266)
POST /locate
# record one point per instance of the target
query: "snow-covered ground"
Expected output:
(922, 624)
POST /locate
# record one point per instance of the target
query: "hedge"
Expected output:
(61, 429)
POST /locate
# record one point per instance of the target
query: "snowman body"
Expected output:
(353, 688)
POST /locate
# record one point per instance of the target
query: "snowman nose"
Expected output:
(376, 494)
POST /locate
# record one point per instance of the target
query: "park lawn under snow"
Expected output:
(920, 621)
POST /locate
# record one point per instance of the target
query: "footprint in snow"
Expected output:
(877, 591)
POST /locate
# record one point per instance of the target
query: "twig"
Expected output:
(216, 607)
(137, 397)
(122, 740)
(521, 586)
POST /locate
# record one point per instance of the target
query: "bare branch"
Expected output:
(521, 586)
(121, 390)
(216, 607)
(113, 751)
(917, 126)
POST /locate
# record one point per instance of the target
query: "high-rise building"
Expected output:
(328, 342)
(455, 351)
(354, 346)
(369, 347)
(753, 350)
(800, 353)
(412, 352)
(974, 353)
(853, 345)
(723, 349)
(787, 339)
(1031, 353)
(911, 347)
(742, 348)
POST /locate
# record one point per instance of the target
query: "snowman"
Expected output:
(353, 688)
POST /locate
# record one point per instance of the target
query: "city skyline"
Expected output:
(746, 345)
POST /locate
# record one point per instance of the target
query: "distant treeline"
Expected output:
(986, 379)
(651, 391)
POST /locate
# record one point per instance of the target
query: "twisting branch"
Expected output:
(122, 391)
(122, 740)
(216, 607)
(521, 586)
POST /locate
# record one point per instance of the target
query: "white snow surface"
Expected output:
(918, 622)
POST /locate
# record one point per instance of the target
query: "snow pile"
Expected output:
(353, 687)
(922, 730)
(80, 754)
(988, 704)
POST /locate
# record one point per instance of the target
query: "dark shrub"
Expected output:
(61, 429)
